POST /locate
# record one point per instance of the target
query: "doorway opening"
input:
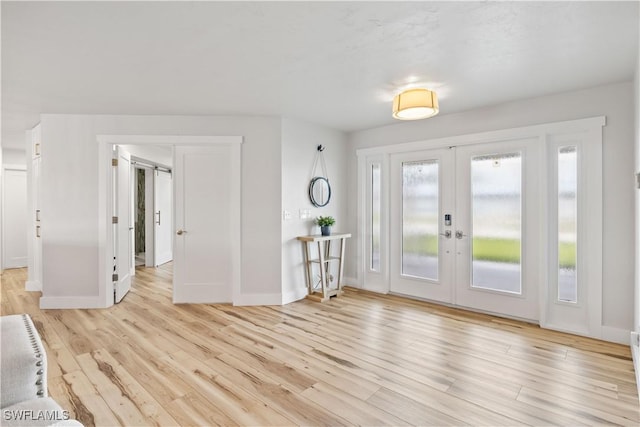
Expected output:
(143, 211)
(202, 215)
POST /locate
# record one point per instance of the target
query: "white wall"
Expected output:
(614, 101)
(70, 195)
(1, 185)
(299, 142)
(14, 157)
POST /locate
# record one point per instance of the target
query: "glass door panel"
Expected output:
(420, 212)
(376, 211)
(496, 200)
(567, 224)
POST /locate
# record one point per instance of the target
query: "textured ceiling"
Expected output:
(333, 63)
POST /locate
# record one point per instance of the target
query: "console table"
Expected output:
(323, 290)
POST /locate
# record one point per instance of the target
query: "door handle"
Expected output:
(180, 232)
(158, 213)
(460, 234)
(446, 234)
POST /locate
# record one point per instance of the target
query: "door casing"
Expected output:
(105, 202)
(591, 129)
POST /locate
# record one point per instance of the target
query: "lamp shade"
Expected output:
(414, 104)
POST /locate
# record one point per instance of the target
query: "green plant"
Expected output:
(325, 221)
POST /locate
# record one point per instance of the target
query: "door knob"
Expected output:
(180, 232)
(459, 234)
(446, 234)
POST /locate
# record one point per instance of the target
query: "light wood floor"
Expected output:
(361, 359)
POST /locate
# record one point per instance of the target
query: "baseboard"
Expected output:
(617, 335)
(71, 302)
(351, 281)
(33, 286)
(295, 295)
(258, 299)
(384, 291)
(635, 353)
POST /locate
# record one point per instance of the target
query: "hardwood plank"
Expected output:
(410, 411)
(125, 395)
(353, 409)
(362, 358)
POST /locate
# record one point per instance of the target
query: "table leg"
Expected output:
(323, 271)
(341, 264)
(308, 267)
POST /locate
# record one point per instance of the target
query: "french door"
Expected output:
(465, 226)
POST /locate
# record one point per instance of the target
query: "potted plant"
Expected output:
(325, 223)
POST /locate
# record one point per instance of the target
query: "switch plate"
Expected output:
(304, 213)
(286, 215)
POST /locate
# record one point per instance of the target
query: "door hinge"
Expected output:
(114, 220)
(114, 277)
(114, 162)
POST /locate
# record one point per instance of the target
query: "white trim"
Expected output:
(71, 302)
(168, 139)
(11, 167)
(105, 241)
(258, 299)
(33, 286)
(617, 335)
(491, 136)
(635, 354)
(235, 222)
(295, 295)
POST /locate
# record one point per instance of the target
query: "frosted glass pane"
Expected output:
(567, 224)
(420, 219)
(496, 199)
(375, 217)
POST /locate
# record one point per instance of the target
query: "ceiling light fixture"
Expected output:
(415, 104)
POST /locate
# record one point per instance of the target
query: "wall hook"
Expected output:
(320, 147)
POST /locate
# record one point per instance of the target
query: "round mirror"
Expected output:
(319, 191)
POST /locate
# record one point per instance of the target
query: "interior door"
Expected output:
(163, 217)
(15, 222)
(422, 204)
(124, 243)
(205, 221)
(497, 227)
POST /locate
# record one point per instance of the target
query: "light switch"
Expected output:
(286, 215)
(304, 213)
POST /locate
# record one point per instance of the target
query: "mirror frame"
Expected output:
(312, 185)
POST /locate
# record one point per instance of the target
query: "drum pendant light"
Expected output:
(415, 104)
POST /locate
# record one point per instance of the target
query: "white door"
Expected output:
(497, 227)
(15, 218)
(123, 232)
(207, 201)
(422, 254)
(163, 217)
(465, 228)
